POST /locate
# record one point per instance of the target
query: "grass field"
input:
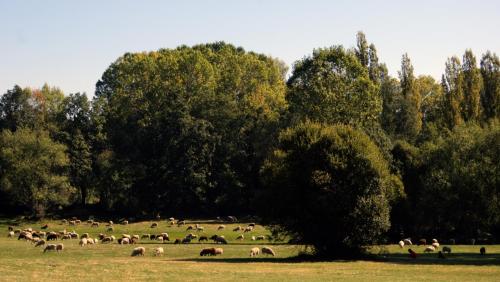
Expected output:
(20, 261)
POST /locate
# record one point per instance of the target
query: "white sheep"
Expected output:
(135, 237)
(83, 242)
(435, 245)
(91, 241)
(268, 251)
(434, 241)
(254, 252)
(407, 241)
(401, 244)
(126, 236)
(139, 251)
(159, 239)
(125, 241)
(253, 238)
(248, 229)
(158, 251)
(219, 251)
(429, 249)
(11, 234)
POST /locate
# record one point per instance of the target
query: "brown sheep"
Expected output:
(208, 252)
(49, 247)
(268, 251)
(59, 247)
(40, 243)
(139, 251)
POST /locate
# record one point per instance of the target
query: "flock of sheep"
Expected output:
(42, 238)
(434, 246)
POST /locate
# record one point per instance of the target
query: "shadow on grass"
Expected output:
(424, 259)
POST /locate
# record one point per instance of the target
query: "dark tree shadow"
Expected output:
(423, 259)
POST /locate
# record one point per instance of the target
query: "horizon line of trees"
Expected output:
(213, 129)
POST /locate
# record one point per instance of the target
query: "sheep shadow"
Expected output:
(433, 259)
(424, 259)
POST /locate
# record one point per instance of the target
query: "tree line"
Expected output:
(213, 129)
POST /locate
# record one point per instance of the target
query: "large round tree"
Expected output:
(328, 187)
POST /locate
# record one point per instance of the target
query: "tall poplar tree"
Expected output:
(410, 117)
(490, 93)
(471, 86)
(452, 83)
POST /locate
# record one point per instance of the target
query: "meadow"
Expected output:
(21, 261)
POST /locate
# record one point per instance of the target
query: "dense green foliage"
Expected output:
(188, 131)
(328, 186)
(33, 170)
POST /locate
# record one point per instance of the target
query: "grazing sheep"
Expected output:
(17, 231)
(66, 236)
(126, 236)
(73, 235)
(59, 247)
(434, 241)
(159, 239)
(101, 236)
(413, 255)
(11, 234)
(51, 237)
(248, 229)
(200, 229)
(171, 219)
(221, 227)
(72, 222)
(482, 251)
(240, 237)
(219, 251)
(429, 249)
(49, 247)
(401, 244)
(125, 241)
(152, 237)
(172, 223)
(268, 251)
(165, 236)
(441, 255)
(177, 241)
(253, 238)
(154, 225)
(40, 243)
(84, 235)
(207, 252)
(254, 252)
(106, 240)
(83, 242)
(181, 222)
(158, 251)
(91, 241)
(135, 237)
(219, 239)
(45, 226)
(64, 221)
(90, 221)
(238, 228)
(261, 237)
(145, 236)
(186, 241)
(435, 245)
(446, 250)
(125, 222)
(422, 242)
(203, 238)
(77, 221)
(95, 224)
(139, 251)
(190, 227)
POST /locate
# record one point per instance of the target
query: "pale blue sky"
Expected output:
(70, 43)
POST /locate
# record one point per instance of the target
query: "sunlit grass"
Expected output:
(19, 260)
